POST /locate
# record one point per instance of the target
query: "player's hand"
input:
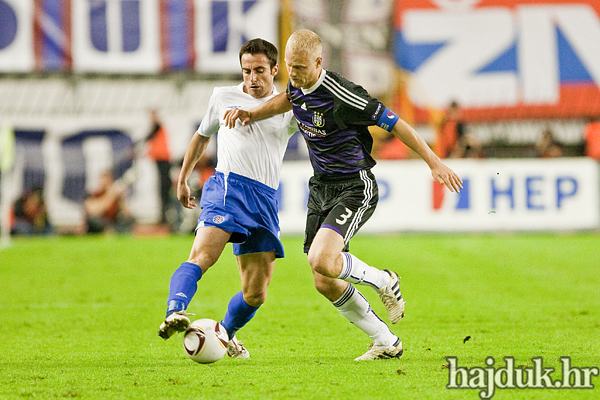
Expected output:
(234, 114)
(446, 176)
(184, 196)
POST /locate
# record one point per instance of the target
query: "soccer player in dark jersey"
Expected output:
(333, 115)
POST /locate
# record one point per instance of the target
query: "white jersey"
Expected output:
(255, 150)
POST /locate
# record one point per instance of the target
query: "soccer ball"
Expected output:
(205, 341)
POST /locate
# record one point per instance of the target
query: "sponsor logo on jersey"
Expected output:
(310, 131)
(318, 119)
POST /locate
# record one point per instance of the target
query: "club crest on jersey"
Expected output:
(218, 219)
(318, 119)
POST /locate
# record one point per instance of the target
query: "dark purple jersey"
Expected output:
(333, 117)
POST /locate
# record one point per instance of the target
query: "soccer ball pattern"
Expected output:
(205, 341)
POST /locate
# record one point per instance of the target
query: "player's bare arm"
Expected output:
(276, 105)
(439, 171)
(193, 154)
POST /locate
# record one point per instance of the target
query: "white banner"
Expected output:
(223, 26)
(16, 37)
(114, 36)
(527, 195)
(132, 36)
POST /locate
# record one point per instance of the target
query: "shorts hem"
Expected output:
(333, 228)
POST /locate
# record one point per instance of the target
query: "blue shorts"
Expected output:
(244, 207)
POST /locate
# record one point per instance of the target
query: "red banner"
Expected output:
(510, 59)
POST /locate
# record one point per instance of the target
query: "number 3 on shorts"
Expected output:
(344, 217)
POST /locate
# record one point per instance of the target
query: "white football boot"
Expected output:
(382, 352)
(392, 298)
(175, 322)
(236, 349)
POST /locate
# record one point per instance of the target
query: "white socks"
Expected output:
(357, 310)
(357, 272)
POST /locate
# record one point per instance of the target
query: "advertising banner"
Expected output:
(498, 195)
(501, 58)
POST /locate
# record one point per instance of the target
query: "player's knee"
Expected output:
(204, 260)
(320, 263)
(255, 298)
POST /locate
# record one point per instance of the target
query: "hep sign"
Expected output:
(517, 195)
(535, 190)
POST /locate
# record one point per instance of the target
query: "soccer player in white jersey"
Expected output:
(238, 202)
(333, 114)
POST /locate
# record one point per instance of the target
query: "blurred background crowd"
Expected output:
(99, 99)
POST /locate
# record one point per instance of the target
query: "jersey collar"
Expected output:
(316, 85)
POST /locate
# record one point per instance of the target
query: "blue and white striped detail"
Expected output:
(347, 276)
(177, 41)
(347, 266)
(52, 35)
(345, 297)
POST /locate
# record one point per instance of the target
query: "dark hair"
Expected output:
(260, 46)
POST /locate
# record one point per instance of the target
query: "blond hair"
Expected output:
(305, 40)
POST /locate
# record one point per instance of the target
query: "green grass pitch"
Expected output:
(78, 319)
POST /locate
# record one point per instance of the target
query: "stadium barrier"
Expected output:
(498, 194)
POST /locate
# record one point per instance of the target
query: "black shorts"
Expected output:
(342, 203)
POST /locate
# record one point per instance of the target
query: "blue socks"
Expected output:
(238, 314)
(184, 284)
